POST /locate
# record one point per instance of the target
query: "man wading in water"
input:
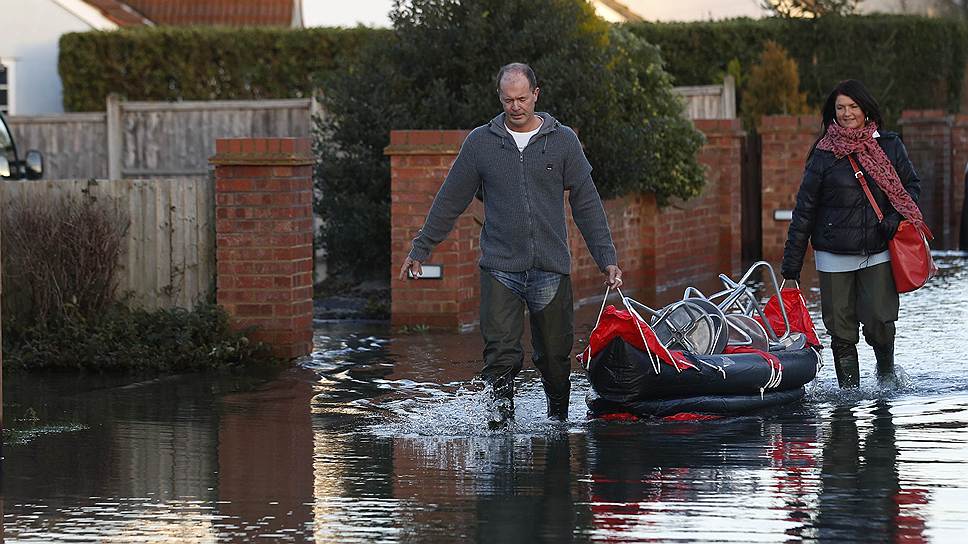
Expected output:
(522, 162)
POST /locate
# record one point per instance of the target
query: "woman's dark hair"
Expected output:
(856, 91)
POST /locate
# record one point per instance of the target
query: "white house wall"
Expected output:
(32, 29)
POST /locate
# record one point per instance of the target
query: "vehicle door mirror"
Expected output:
(4, 167)
(34, 164)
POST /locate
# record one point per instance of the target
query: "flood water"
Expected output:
(381, 438)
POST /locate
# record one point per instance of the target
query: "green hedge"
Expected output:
(201, 63)
(906, 61)
(121, 339)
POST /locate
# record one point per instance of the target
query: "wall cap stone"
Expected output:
(262, 152)
(730, 127)
(260, 159)
(418, 149)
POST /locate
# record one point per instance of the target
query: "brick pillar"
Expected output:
(264, 239)
(959, 163)
(928, 138)
(786, 140)
(419, 162)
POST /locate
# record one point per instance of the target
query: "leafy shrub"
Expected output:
(773, 86)
(201, 63)
(123, 339)
(437, 72)
(906, 61)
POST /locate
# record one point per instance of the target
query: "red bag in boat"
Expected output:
(614, 323)
(797, 314)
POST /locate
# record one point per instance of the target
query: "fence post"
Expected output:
(729, 97)
(317, 111)
(1, 370)
(114, 133)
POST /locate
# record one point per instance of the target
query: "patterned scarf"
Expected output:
(842, 141)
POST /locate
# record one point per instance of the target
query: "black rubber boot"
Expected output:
(886, 376)
(501, 407)
(558, 403)
(502, 324)
(552, 337)
(846, 363)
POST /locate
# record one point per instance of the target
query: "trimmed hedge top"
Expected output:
(201, 63)
(907, 62)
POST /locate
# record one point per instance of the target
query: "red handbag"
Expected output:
(911, 260)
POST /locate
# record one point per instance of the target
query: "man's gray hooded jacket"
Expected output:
(524, 215)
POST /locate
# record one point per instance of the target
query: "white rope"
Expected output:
(608, 289)
(776, 376)
(654, 359)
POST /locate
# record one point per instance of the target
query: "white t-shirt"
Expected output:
(521, 139)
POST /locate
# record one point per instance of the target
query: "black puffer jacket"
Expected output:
(833, 213)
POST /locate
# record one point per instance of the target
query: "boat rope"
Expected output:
(608, 289)
(719, 368)
(641, 325)
(639, 322)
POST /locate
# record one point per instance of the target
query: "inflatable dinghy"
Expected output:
(717, 355)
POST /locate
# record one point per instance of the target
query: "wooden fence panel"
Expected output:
(73, 144)
(176, 139)
(140, 140)
(169, 259)
(709, 101)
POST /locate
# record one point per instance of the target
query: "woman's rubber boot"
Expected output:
(886, 377)
(846, 363)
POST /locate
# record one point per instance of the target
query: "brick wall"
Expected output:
(660, 251)
(928, 138)
(786, 140)
(264, 239)
(959, 161)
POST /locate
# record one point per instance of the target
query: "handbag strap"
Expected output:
(867, 190)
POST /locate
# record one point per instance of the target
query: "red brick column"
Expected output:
(264, 239)
(786, 140)
(959, 161)
(419, 162)
(928, 138)
(660, 251)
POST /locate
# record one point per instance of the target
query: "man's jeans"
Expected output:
(548, 298)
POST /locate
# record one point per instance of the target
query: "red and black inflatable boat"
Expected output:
(638, 373)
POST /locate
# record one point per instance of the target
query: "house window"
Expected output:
(4, 89)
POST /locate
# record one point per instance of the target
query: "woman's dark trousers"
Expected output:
(848, 299)
(552, 337)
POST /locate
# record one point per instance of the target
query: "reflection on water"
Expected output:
(381, 438)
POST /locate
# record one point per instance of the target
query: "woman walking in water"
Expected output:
(849, 242)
